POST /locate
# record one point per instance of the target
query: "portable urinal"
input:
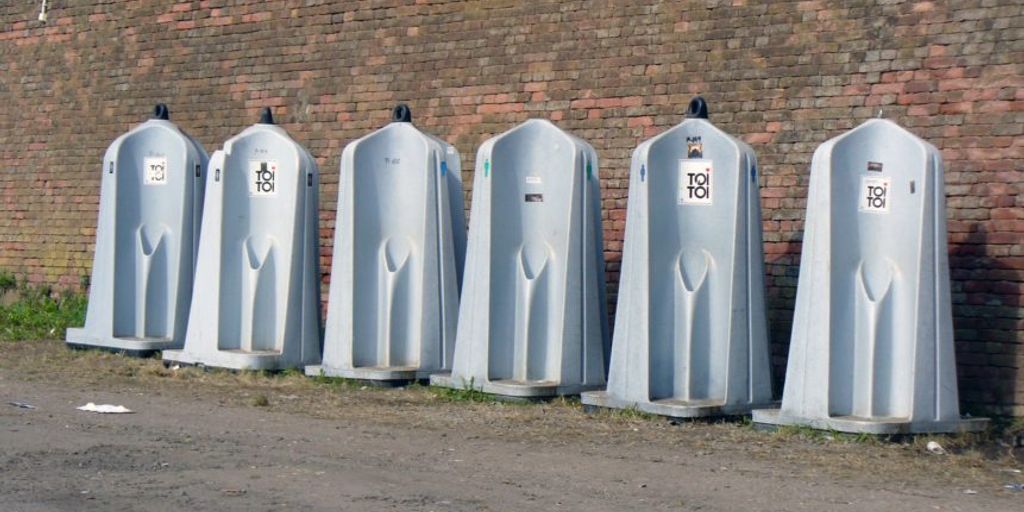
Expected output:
(872, 343)
(532, 316)
(256, 303)
(151, 203)
(691, 335)
(399, 245)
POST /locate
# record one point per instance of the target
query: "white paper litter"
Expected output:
(105, 408)
(935, 448)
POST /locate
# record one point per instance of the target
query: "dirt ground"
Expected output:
(223, 441)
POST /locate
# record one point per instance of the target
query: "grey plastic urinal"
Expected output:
(151, 203)
(872, 343)
(532, 316)
(691, 334)
(399, 246)
(256, 303)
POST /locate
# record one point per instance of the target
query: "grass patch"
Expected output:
(37, 313)
(7, 281)
(804, 432)
(634, 413)
(467, 393)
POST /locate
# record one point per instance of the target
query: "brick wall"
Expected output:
(783, 75)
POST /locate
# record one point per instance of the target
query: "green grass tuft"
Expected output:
(37, 313)
(634, 412)
(7, 281)
(467, 393)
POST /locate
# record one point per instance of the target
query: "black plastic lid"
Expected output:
(266, 116)
(698, 108)
(160, 112)
(401, 114)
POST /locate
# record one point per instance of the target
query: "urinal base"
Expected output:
(376, 376)
(531, 390)
(133, 347)
(677, 409)
(774, 418)
(231, 359)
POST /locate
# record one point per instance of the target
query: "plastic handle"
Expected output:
(401, 114)
(266, 116)
(160, 112)
(698, 108)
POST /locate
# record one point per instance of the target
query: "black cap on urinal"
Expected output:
(266, 116)
(160, 112)
(401, 114)
(698, 108)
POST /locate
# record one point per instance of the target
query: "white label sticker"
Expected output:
(156, 170)
(695, 181)
(262, 177)
(534, 180)
(874, 194)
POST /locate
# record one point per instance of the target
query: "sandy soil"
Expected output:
(224, 441)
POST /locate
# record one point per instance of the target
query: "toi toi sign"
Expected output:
(874, 194)
(263, 174)
(695, 182)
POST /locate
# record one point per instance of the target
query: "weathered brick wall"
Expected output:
(783, 75)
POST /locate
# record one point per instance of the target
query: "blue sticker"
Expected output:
(753, 174)
(588, 170)
(643, 172)
(487, 168)
(444, 168)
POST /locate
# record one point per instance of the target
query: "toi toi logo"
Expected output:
(156, 170)
(874, 194)
(695, 182)
(263, 178)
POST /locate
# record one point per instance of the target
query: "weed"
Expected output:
(7, 281)
(467, 393)
(292, 372)
(39, 314)
(572, 402)
(801, 431)
(336, 383)
(261, 401)
(634, 413)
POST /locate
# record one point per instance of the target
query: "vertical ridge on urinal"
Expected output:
(395, 254)
(154, 298)
(384, 278)
(521, 347)
(250, 275)
(759, 385)
(532, 263)
(941, 254)
(257, 331)
(692, 268)
(681, 355)
(439, 168)
(874, 282)
(633, 301)
(584, 178)
(266, 313)
(143, 264)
